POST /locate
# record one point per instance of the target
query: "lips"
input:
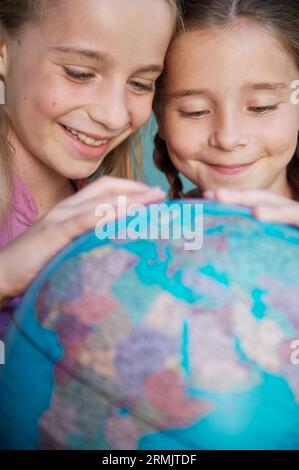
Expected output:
(87, 134)
(88, 148)
(230, 169)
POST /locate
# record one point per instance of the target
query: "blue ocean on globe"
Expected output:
(157, 343)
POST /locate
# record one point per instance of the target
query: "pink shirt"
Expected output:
(21, 215)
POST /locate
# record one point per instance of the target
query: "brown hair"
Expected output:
(281, 18)
(124, 162)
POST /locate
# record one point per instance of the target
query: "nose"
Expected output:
(110, 108)
(228, 133)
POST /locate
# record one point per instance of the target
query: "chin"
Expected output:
(79, 175)
(76, 172)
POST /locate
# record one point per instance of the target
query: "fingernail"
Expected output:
(209, 194)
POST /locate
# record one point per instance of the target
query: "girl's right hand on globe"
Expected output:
(266, 206)
(22, 259)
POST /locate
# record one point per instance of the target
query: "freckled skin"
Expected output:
(107, 105)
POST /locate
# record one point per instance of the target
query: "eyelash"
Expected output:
(142, 87)
(263, 109)
(80, 76)
(259, 110)
(196, 114)
(83, 76)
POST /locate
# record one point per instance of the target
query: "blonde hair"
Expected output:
(124, 162)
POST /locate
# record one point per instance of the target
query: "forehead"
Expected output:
(113, 25)
(244, 52)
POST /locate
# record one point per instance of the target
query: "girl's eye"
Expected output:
(263, 109)
(142, 87)
(194, 114)
(77, 75)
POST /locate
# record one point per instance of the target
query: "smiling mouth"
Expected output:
(230, 169)
(86, 138)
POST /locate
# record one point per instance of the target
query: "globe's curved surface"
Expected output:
(145, 345)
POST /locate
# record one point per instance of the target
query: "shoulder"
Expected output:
(21, 213)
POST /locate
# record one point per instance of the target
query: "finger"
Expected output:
(119, 211)
(107, 185)
(66, 210)
(55, 230)
(87, 216)
(285, 214)
(245, 197)
(112, 203)
(152, 195)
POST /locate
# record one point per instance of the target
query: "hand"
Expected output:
(22, 259)
(266, 205)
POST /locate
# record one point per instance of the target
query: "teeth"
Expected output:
(84, 138)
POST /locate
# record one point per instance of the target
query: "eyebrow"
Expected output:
(249, 85)
(101, 57)
(266, 86)
(185, 93)
(96, 55)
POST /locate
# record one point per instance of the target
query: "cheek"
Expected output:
(282, 143)
(183, 145)
(282, 134)
(52, 98)
(49, 105)
(184, 137)
(140, 111)
(181, 153)
(39, 100)
(178, 147)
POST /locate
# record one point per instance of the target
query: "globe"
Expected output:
(139, 342)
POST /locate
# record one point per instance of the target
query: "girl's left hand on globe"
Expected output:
(266, 205)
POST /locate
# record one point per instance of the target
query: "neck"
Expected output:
(47, 186)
